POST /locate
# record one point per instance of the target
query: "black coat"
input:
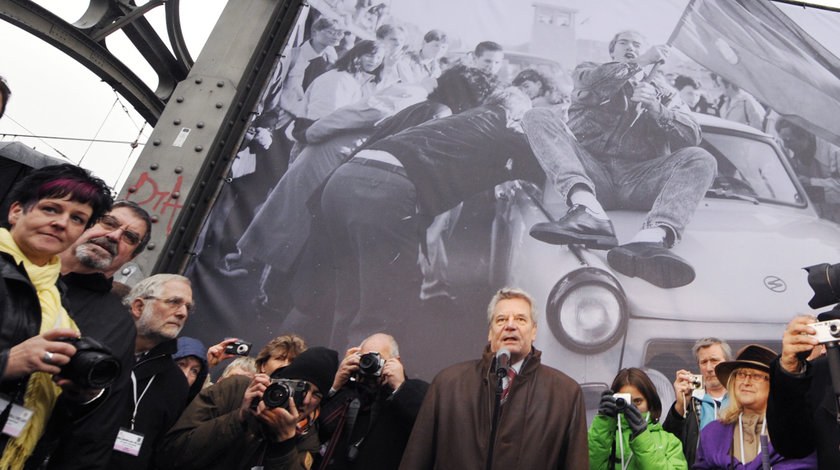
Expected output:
(385, 425)
(159, 408)
(686, 429)
(87, 443)
(20, 319)
(802, 414)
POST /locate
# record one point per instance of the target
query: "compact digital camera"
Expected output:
(827, 331)
(622, 400)
(696, 381)
(240, 348)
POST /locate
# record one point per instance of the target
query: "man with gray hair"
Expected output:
(698, 403)
(523, 414)
(160, 305)
(372, 407)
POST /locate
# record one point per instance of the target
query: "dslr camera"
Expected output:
(824, 279)
(281, 391)
(371, 364)
(240, 348)
(622, 400)
(696, 381)
(93, 366)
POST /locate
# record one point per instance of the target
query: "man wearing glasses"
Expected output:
(87, 269)
(158, 390)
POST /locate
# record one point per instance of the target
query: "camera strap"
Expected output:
(136, 398)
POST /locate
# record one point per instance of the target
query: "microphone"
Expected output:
(502, 362)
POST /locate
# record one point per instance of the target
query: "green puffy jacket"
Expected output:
(653, 449)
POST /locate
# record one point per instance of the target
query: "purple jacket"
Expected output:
(716, 442)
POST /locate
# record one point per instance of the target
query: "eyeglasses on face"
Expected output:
(112, 224)
(752, 376)
(174, 302)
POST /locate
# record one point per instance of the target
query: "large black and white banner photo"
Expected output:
(652, 172)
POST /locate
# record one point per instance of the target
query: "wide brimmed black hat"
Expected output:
(752, 356)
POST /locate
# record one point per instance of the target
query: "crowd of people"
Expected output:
(146, 400)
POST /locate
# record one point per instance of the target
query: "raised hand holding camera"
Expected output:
(607, 406)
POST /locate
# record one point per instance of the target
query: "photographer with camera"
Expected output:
(699, 399)
(626, 434)
(738, 439)
(372, 407)
(50, 209)
(802, 410)
(267, 422)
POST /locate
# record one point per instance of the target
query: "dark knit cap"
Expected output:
(315, 365)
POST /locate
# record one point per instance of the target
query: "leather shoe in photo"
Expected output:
(578, 226)
(652, 262)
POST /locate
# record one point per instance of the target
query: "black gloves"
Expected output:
(607, 406)
(635, 419)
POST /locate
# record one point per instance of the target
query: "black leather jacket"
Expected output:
(20, 318)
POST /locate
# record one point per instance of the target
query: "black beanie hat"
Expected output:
(315, 365)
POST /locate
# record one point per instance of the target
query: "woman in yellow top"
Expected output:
(51, 208)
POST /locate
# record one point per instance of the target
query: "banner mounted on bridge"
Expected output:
(403, 153)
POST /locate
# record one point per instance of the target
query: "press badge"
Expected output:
(18, 417)
(128, 442)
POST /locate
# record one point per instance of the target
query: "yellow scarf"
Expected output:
(41, 391)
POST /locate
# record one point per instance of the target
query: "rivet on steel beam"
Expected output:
(179, 169)
(154, 219)
(198, 81)
(219, 105)
(220, 84)
(177, 122)
(176, 195)
(153, 166)
(179, 99)
(126, 271)
(198, 148)
(132, 189)
(150, 246)
(200, 124)
(156, 142)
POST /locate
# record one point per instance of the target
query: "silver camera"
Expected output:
(696, 381)
(827, 331)
(622, 400)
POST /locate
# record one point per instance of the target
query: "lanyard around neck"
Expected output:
(137, 399)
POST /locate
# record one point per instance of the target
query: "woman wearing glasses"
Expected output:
(737, 440)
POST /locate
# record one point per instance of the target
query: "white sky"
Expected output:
(52, 95)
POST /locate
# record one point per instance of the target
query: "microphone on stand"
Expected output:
(502, 362)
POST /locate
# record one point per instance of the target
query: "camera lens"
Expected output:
(242, 349)
(276, 395)
(620, 403)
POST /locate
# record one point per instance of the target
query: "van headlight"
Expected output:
(587, 310)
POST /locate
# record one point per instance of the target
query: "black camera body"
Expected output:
(281, 390)
(371, 364)
(240, 348)
(824, 279)
(93, 366)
